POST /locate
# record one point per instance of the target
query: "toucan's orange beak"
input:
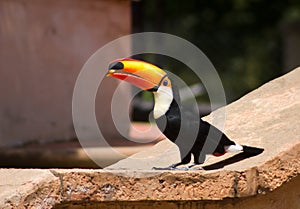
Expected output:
(139, 73)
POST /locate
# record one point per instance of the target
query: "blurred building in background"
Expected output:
(43, 46)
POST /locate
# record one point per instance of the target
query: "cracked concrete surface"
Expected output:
(267, 117)
(17, 186)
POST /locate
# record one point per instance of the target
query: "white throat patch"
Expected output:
(162, 101)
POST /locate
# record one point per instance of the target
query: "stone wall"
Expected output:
(285, 197)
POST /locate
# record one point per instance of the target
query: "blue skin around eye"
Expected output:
(165, 83)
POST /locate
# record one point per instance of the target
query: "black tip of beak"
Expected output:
(154, 89)
(116, 66)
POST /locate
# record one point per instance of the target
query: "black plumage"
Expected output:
(190, 133)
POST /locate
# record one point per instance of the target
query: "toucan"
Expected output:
(186, 129)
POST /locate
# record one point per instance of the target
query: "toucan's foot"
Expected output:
(194, 167)
(176, 168)
(171, 167)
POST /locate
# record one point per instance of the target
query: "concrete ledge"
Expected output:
(287, 196)
(133, 185)
(267, 117)
(19, 187)
(52, 188)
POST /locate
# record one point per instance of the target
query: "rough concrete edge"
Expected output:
(73, 185)
(285, 166)
(268, 176)
(28, 193)
(261, 179)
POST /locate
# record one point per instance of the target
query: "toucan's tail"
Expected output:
(252, 150)
(246, 149)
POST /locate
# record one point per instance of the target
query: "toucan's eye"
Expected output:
(165, 83)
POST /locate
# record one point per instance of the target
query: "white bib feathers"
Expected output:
(162, 101)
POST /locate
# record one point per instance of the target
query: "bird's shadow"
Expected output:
(236, 158)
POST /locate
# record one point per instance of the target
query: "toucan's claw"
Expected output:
(175, 167)
(171, 167)
(193, 168)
